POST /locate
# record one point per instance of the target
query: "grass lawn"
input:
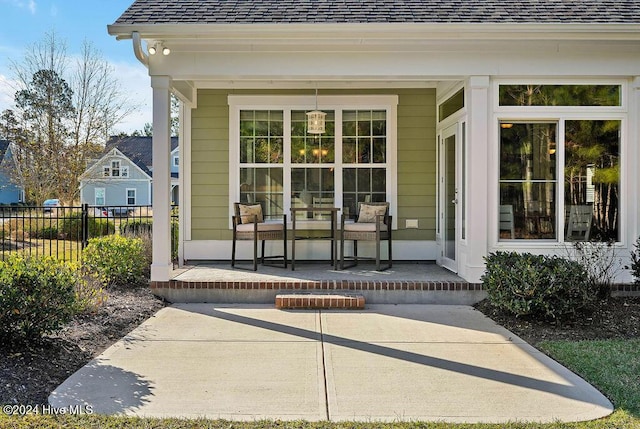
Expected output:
(613, 366)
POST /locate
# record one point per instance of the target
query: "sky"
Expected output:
(25, 22)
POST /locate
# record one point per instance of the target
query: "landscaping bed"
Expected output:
(28, 374)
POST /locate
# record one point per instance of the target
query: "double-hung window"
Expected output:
(276, 163)
(559, 161)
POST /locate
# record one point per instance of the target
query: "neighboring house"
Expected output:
(10, 193)
(123, 176)
(488, 125)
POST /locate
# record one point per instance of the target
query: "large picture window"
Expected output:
(560, 179)
(280, 165)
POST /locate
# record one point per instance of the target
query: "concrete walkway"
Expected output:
(386, 363)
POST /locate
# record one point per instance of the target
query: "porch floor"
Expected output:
(314, 271)
(405, 283)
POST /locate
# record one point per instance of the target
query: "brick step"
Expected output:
(315, 301)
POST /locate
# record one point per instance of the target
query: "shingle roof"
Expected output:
(380, 11)
(137, 148)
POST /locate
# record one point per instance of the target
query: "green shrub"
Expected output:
(540, 286)
(36, 297)
(635, 262)
(116, 260)
(71, 227)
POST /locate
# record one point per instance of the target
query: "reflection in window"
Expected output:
(264, 186)
(364, 134)
(560, 95)
(261, 136)
(451, 105)
(592, 180)
(312, 148)
(528, 180)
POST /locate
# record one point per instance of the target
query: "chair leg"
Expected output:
(355, 252)
(342, 251)
(255, 252)
(233, 250)
(284, 242)
(390, 256)
(262, 257)
(377, 255)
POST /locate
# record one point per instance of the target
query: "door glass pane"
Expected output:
(450, 197)
(592, 180)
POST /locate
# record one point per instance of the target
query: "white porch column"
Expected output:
(478, 156)
(161, 266)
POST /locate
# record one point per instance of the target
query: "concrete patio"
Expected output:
(386, 363)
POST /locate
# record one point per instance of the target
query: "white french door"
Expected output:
(449, 192)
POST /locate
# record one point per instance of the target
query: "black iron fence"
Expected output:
(63, 231)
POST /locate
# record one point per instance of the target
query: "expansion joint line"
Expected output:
(324, 367)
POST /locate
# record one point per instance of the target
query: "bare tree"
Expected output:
(84, 104)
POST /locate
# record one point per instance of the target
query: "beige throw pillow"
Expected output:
(248, 213)
(369, 213)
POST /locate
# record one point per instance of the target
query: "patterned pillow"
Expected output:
(248, 213)
(368, 213)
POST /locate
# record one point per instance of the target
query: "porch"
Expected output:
(405, 283)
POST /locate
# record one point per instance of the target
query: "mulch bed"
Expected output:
(613, 318)
(30, 373)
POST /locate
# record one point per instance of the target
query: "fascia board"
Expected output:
(377, 31)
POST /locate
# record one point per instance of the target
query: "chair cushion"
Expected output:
(269, 226)
(249, 212)
(369, 213)
(360, 227)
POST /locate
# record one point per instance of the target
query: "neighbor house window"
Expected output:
(560, 179)
(99, 194)
(176, 161)
(131, 197)
(106, 171)
(124, 171)
(115, 168)
(281, 166)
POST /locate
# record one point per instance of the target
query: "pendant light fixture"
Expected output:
(315, 119)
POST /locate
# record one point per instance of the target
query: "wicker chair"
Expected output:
(373, 224)
(249, 224)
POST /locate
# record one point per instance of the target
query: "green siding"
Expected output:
(416, 155)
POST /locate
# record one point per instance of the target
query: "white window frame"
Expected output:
(104, 196)
(176, 161)
(558, 114)
(337, 103)
(106, 171)
(124, 171)
(135, 196)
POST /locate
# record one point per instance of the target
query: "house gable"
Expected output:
(97, 171)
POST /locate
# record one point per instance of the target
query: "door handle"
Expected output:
(454, 201)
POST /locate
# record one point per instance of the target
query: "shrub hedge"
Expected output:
(71, 227)
(116, 260)
(37, 296)
(540, 286)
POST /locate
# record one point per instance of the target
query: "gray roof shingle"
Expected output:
(137, 148)
(380, 11)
